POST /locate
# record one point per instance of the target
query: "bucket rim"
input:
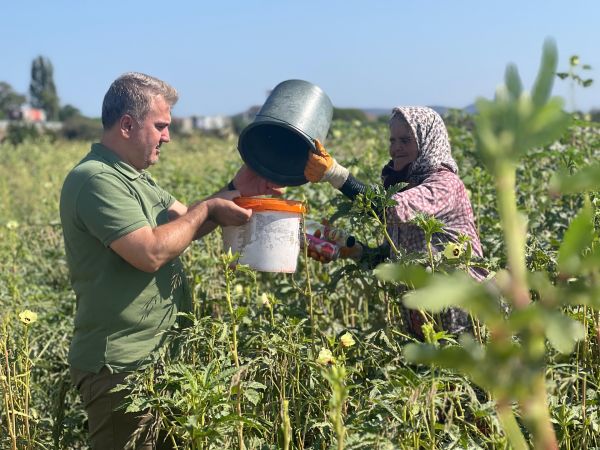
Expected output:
(270, 204)
(284, 124)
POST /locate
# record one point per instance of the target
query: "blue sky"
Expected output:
(224, 55)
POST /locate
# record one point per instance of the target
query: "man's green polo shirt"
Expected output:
(121, 311)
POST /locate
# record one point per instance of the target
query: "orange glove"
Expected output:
(318, 163)
(321, 166)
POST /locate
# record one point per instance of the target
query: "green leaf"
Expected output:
(513, 81)
(579, 295)
(240, 312)
(547, 124)
(414, 276)
(563, 332)
(587, 179)
(577, 238)
(452, 357)
(442, 293)
(252, 396)
(545, 78)
(591, 260)
(460, 290)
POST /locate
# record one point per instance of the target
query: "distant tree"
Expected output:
(79, 127)
(349, 114)
(459, 118)
(42, 89)
(18, 132)
(9, 99)
(239, 122)
(67, 112)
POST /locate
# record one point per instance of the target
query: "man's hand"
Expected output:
(321, 166)
(223, 211)
(249, 183)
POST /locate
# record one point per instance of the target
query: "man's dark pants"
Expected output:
(110, 427)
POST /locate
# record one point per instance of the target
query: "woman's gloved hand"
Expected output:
(321, 166)
(355, 252)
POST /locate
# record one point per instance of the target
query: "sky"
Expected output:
(224, 56)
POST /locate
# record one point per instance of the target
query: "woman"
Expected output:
(420, 156)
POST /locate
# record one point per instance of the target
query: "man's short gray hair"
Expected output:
(132, 93)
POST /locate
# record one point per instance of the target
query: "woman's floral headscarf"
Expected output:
(433, 146)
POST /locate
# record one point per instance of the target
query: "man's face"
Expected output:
(148, 136)
(403, 147)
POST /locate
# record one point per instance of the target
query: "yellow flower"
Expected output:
(263, 300)
(12, 224)
(325, 357)
(28, 317)
(3, 378)
(238, 289)
(452, 250)
(347, 340)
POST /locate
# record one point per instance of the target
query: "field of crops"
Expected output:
(319, 359)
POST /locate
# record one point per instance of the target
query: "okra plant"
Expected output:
(510, 365)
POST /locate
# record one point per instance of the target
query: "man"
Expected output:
(123, 236)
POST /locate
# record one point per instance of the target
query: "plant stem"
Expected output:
(514, 227)
(535, 409)
(7, 394)
(285, 425)
(228, 281)
(233, 318)
(534, 406)
(27, 376)
(430, 254)
(510, 425)
(387, 236)
(308, 291)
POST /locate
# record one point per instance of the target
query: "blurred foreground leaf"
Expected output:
(577, 239)
(587, 179)
(562, 331)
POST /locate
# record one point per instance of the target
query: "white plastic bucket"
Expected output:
(270, 241)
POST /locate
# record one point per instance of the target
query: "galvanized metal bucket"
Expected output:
(277, 142)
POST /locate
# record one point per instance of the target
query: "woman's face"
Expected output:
(403, 147)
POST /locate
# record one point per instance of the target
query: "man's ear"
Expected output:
(126, 125)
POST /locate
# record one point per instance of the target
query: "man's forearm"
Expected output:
(205, 228)
(171, 239)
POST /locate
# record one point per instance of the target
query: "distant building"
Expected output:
(208, 124)
(183, 124)
(211, 123)
(28, 114)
